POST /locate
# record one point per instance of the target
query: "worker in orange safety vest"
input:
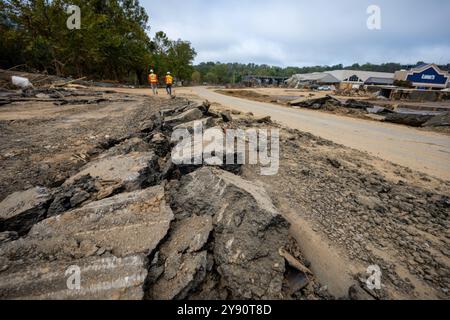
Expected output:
(169, 83)
(153, 80)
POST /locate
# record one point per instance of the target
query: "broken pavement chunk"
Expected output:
(128, 146)
(21, 210)
(187, 116)
(189, 235)
(413, 120)
(132, 225)
(189, 275)
(315, 103)
(190, 126)
(379, 110)
(442, 120)
(130, 172)
(108, 278)
(184, 267)
(190, 154)
(129, 223)
(248, 230)
(358, 104)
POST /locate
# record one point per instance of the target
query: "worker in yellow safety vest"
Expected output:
(153, 80)
(169, 83)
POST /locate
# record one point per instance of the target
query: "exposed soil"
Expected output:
(248, 94)
(350, 210)
(43, 144)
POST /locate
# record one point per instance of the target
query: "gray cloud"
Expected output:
(300, 32)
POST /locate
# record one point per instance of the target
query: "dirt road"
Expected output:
(418, 150)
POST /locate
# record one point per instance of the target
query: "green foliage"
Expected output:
(111, 44)
(196, 77)
(174, 56)
(221, 73)
(211, 77)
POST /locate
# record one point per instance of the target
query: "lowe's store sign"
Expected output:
(428, 76)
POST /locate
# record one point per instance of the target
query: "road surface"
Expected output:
(423, 151)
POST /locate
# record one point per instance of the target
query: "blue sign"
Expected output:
(428, 76)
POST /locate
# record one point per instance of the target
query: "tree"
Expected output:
(180, 57)
(196, 77)
(174, 56)
(111, 44)
(211, 78)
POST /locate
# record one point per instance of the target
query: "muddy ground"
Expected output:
(347, 210)
(44, 144)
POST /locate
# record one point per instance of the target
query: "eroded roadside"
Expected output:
(350, 210)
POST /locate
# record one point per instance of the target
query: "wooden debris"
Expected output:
(62, 84)
(293, 262)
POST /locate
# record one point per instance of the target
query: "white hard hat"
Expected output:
(168, 72)
(151, 71)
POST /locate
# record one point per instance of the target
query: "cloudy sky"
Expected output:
(306, 32)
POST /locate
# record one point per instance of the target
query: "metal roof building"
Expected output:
(380, 81)
(359, 76)
(264, 80)
(343, 76)
(317, 77)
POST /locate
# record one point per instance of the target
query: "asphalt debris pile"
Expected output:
(130, 224)
(387, 114)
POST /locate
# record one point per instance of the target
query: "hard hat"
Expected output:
(151, 71)
(168, 72)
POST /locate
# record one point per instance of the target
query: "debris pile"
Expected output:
(326, 103)
(131, 225)
(439, 121)
(58, 96)
(247, 94)
(410, 118)
(352, 92)
(413, 120)
(26, 87)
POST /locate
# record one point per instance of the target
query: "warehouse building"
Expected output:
(342, 78)
(251, 81)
